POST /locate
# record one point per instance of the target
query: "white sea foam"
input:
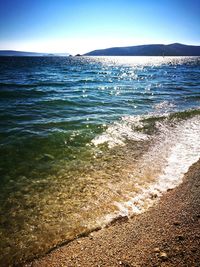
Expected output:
(164, 107)
(119, 132)
(176, 151)
(172, 153)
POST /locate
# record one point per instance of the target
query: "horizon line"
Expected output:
(26, 51)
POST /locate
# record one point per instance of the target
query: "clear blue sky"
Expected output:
(77, 26)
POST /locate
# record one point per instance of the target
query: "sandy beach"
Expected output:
(168, 234)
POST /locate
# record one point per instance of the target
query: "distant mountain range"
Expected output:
(13, 53)
(175, 49)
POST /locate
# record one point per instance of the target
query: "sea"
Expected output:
(86, 140)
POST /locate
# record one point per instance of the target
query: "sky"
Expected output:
(79, 26)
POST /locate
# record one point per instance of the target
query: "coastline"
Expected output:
(168, 234)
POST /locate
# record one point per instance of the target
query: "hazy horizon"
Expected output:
(68, 53)
(82, 26)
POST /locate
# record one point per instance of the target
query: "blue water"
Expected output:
(52, 112)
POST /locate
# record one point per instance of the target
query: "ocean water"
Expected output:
(84, 140)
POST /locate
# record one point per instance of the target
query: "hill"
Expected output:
(13, 53)
(175, 49)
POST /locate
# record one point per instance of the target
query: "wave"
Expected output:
(174, 147)
(140, 127)
(30, 85)
(22, 93)
(66, 83)
(119, 132)
(175, 152)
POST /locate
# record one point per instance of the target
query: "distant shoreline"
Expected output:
(4, 56)
(13, 53)
(175, 49)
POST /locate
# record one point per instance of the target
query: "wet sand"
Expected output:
(168, 234)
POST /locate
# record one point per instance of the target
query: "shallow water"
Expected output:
(86, 139)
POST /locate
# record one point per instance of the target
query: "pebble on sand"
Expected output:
(163, 256)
